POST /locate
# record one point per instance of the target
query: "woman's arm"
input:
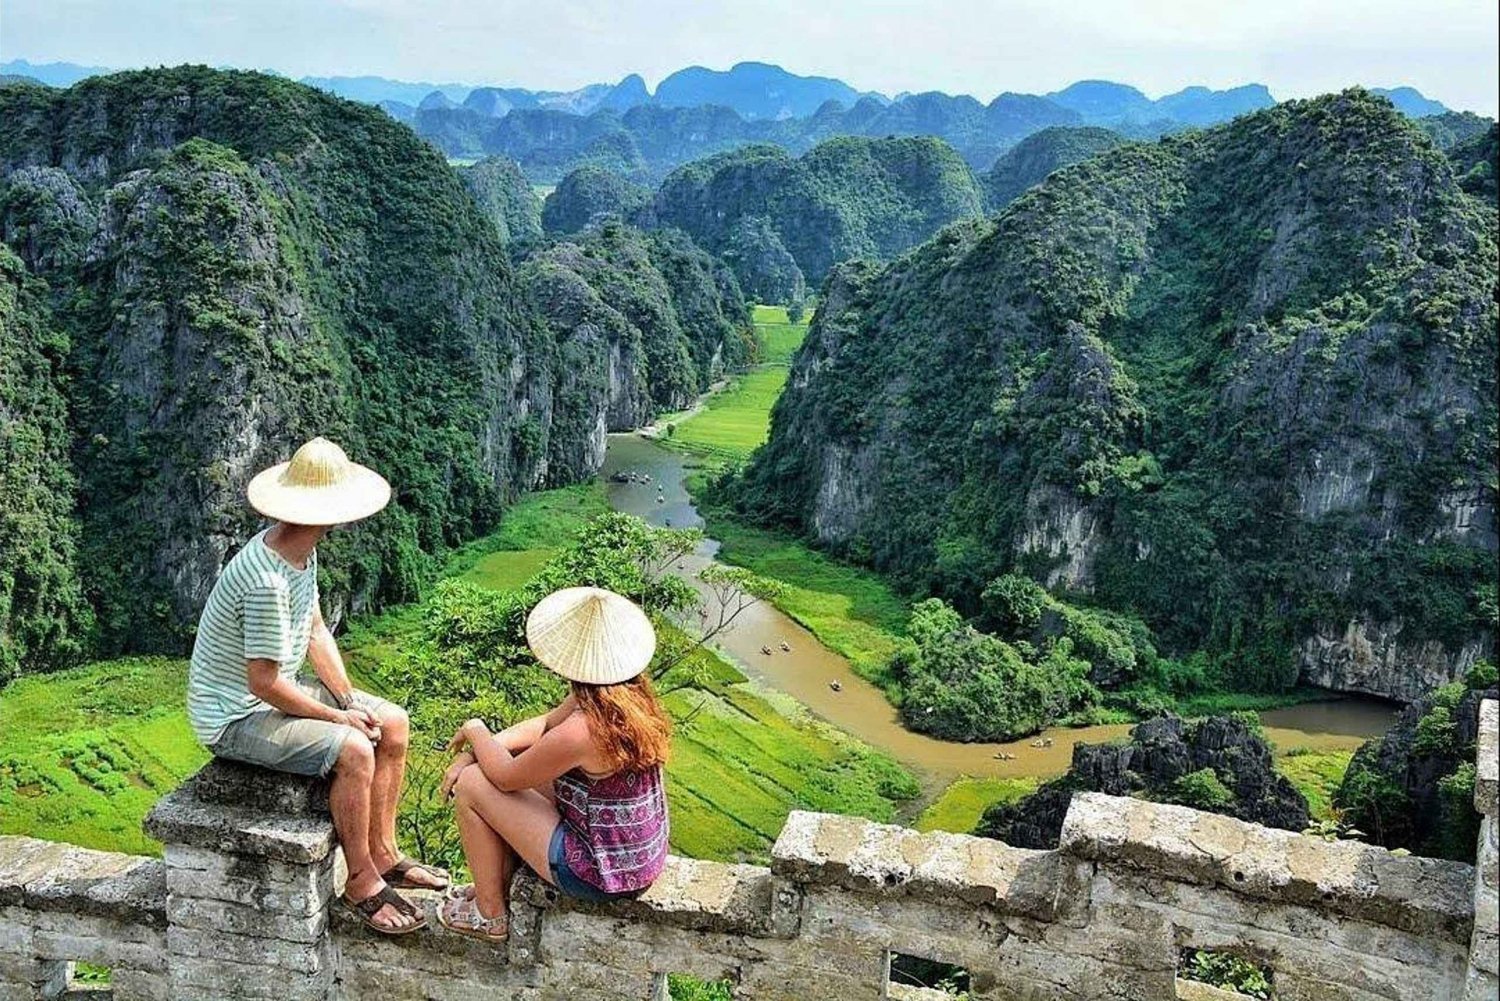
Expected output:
(560, 749)
(519, 736)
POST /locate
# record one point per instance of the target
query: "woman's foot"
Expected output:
(462, 915)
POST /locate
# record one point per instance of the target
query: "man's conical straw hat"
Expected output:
(591, 635)
(319, 486)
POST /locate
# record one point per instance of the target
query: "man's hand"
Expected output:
(364, 722)
(450, 777)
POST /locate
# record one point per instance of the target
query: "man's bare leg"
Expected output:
(349, 802)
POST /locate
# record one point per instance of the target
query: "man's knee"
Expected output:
(357, 758)
(395, 727)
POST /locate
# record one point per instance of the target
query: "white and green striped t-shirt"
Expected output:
(260, 609)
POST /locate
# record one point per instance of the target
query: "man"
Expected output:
(246, 701)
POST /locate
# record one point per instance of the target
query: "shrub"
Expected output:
(1201, 790)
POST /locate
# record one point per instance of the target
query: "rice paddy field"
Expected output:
(735, 421)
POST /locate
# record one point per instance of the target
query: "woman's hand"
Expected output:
(472, 732)
(450, 777)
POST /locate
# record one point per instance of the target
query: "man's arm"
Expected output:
(327, 662)
(267, 684)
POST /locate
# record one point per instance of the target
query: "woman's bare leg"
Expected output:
(515, 823)
(490, 860)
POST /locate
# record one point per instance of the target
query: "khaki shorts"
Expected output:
(272, 739)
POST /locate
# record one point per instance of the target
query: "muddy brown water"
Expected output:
(808, 671)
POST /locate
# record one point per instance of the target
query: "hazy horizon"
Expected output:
(1447, 50)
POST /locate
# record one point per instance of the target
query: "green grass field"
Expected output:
(736, 420)
(1317, 775)
(961, 805)
(85, 753)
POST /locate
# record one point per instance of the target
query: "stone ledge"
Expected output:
(690, 894)
(1418, 895)
(50, 876)
(861, 855)
(181, 817)
(234, 783)
(1487, 759)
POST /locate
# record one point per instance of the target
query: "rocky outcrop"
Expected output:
(1239, 425)
(1373, 658)
(1414, 787)
(587, 197)
(1161, 754)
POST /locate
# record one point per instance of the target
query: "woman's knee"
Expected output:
(471, 783)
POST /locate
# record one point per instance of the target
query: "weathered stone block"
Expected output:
(862, 855)
(238, 919)
(137, 985)
(235, 783)
(1422, 895)
(283, 887)
(181, 819)
(1487, 759)
(692, 894)
(224, 980)
(274, 954)
(15, 931)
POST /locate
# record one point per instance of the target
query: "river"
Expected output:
(808, 669)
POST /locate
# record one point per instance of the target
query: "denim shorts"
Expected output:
(569, 881)
(272, 739)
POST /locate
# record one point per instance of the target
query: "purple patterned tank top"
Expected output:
(614, 828)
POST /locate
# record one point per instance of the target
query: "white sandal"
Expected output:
(460, 915)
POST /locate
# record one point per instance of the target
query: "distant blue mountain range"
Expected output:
(759, 91)
(696, 112)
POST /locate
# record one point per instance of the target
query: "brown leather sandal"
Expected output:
(367, 908)
(397, 875)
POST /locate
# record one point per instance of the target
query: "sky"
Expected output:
(1445, 48)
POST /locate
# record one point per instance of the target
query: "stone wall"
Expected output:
(242, 905)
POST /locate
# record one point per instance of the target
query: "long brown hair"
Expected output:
(629, 725)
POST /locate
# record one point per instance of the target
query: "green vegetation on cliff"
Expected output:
(588, 196)
(224, 264)
(1029, 161)
(1233, 384)
(843, 199)
(505, 197)
(44, 619)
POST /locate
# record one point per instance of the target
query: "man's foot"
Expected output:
(409, 874)
(383, 909)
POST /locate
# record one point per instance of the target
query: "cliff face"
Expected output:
(1168, 760)
(664, 320)
(237, 263)
(1241, 382)
(43, 617)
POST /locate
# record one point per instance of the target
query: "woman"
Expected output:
(577, 793)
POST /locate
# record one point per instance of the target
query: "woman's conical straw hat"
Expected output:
(591, 635)
(319, 486)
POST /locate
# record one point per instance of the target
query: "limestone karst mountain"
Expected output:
(1240, 382)
(218, 266)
